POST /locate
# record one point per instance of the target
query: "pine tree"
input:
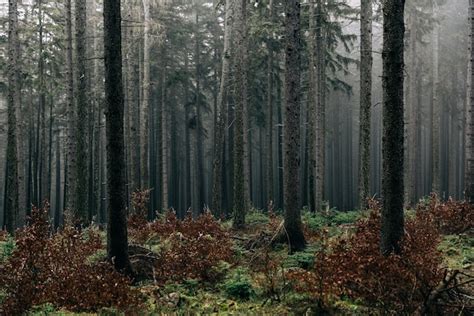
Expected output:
(393, 125)
(117, 239)
(11, 203)
(292, 218)
(365, 100)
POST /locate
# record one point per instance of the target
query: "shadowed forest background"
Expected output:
(131, 129)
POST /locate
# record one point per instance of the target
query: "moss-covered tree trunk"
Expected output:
(117, 239)
(393, 125)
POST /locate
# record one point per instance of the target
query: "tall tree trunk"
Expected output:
(239, 134)
(199, 132)
(435, 111)
(320, 116)
(117, 239)
(70, 192)
(469, 147)
(269, 179)
(11, 198)
(365, 100)
(292, 218)
(146, 98)
(164, 135)
(57, 184)
(222, 113)
(81, 211)
(393, 123)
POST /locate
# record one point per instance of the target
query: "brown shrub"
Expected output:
(189, 248)
(450, 217)
(354, 266)
(45, 268)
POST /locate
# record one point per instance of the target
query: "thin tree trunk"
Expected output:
(469, 147)
(81, 210)
(70, 192)
(222, 114)
(146, 98)
(365, 100)
(239, 134)
(11, 198)
(270, 193)
(320, 119)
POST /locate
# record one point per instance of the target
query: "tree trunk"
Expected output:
(117, 239)
(320, 99)
(71, 163)
(217, 181)
(239, 134)
(293, 226)
(164, 135)
(469, 147)
(393, 126)
(270, 190)
(146, 98)
(11, 198)
(365, 100)
(435, 111)
(81, 211)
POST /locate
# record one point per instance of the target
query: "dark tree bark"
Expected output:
(11, 202)
(117, 239)
(292, 222)
(393, 126)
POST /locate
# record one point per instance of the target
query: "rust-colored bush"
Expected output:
(450, 217)
(354, 266)
(46, 268)
(189, 248)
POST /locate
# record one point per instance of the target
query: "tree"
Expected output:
(393, 125)
(71, 164)
(222, 113)
(146, 96)
(365, 99)
(117, 239)
(469, 150)
(269, 122)
(435, 111)
(81, 211)
(239, 134)
(11, 203)
(292, 218)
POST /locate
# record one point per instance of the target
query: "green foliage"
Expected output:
(341, 218)
(239, 286)
(7, 247)
(303, 259)
(256, 217)
(458, 251)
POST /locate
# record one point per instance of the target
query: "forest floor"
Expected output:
(208, 268)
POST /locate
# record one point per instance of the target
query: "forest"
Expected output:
(236, 157)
